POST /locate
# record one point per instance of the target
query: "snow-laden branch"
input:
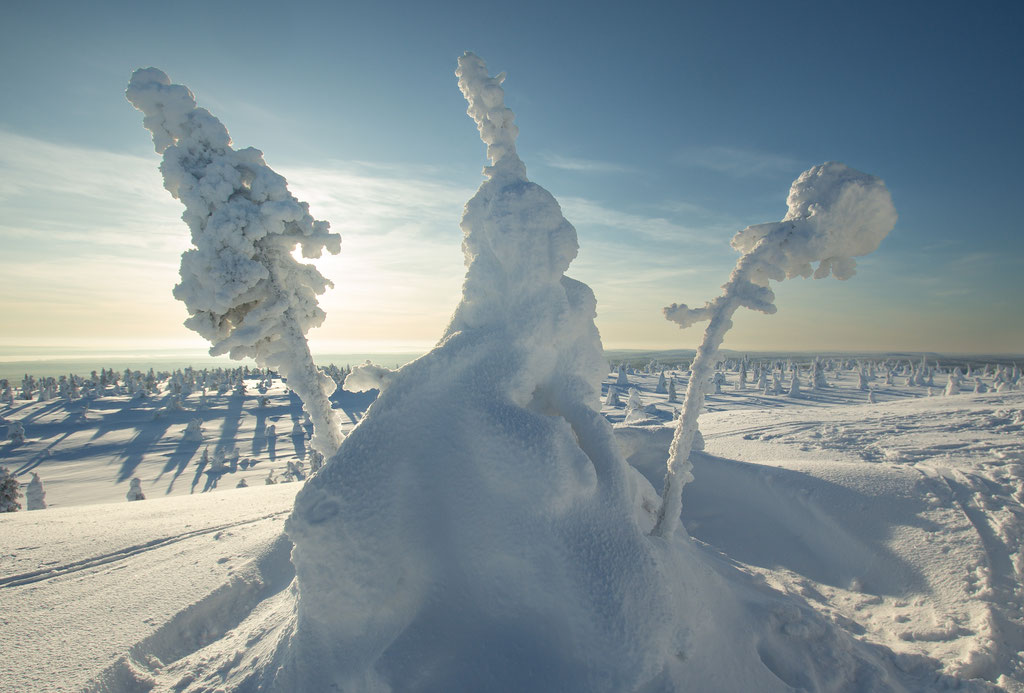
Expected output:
(836, 213)
(243, 289)
(486, 105)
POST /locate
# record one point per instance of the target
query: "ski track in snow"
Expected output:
(122, 554)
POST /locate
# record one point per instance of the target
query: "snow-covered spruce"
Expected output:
(836, 213)
(243, 289)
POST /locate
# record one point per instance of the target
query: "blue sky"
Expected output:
(661, 129)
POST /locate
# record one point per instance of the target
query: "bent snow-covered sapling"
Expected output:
(836, 213)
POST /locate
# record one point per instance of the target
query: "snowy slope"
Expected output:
(898, 524)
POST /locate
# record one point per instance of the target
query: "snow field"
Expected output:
(827, 540)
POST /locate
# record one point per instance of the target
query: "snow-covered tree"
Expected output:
(483, 492)
(634, 407)
(194, 431)
(672, 395)
(242, 484)
(135, 490)
(612, 398)
(818, 379)
(35, 496)
(243, 289)
(316, 461)
(10, 491)
(835, 214)
(794, 385)
(952, 386)
(16, 432)
(662, 387)
(621, 379)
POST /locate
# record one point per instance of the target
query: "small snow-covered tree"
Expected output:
(10, 491)
(612, 398)
(242, 287)
(622, 380)
(662, 387)
(818, 379)
(316, 461)
(835, 214)
(135, 490)
(672, 395)
(794, 385)
(35, 496)
(194, 431)
(952, 386)
(16, 432)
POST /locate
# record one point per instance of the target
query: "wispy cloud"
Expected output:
(89, 233)
(588, 213)
(738, 162)
(566, 163)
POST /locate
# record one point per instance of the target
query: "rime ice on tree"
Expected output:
(835, 214)
(242, 287)
(480, 527)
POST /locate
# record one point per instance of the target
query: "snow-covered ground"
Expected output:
(896, 522)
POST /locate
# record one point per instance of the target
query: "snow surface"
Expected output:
(894, 527)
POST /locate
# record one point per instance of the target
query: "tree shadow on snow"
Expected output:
(149, 434)
(232, 419)
(353, 403)
(179, 459)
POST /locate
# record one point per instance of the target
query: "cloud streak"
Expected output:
(566, 163)
(739, 162)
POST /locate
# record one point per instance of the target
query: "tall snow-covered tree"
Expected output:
(244, 290)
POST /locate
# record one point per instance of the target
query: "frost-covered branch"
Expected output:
(243, 289)
(835, 213)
